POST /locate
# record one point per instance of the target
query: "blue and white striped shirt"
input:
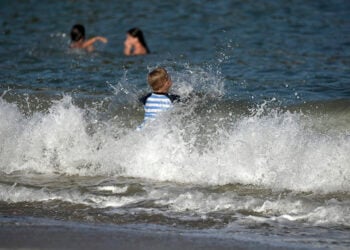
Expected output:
(155, 103)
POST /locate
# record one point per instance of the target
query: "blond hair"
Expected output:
(157, 78)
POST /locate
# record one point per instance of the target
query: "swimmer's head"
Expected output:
(77, 33)
(137, 33)
(159, 80)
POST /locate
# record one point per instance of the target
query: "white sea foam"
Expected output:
(14, 193)
(113, 189)
(274, 149)
(277, 150)
(198, 203)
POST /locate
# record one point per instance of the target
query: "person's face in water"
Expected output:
(130, 40)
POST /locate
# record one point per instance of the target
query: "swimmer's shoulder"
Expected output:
(144, 98)
(174, 98)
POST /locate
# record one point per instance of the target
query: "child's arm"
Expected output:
(91, 41)
(127, 51)
(143, 99)
(127, 47)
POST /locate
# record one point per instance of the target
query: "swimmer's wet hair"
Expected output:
(157, 78)
(77, 33)
(136, 32)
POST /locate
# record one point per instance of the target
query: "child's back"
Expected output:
(159, 100)
(156, 103)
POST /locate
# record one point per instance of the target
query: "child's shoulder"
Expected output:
(144, 98)
(172, 98)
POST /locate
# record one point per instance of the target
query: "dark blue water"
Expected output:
(261, 143)
(259, 47)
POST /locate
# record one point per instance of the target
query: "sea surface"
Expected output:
(257, 150)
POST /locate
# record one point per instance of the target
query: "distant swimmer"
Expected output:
(135, 43)
(78, 41)
(159, 100)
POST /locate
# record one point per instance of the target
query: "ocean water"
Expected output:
(259, 148)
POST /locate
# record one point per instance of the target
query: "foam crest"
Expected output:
(281, 151)
(190, 144)
(12, 122)
(113, 189)
(14, 193)
(199, 203)
(331, 212)
(55, 141)
(278, 150)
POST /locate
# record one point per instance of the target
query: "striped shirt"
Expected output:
(154, 104)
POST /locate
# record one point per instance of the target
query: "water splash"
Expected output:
(267, 148)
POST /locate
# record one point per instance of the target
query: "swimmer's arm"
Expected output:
(91, 41)
(127, 48)
(143, 99)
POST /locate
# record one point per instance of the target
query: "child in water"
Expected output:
(135, 43)
(78, 41)
(159, 100)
